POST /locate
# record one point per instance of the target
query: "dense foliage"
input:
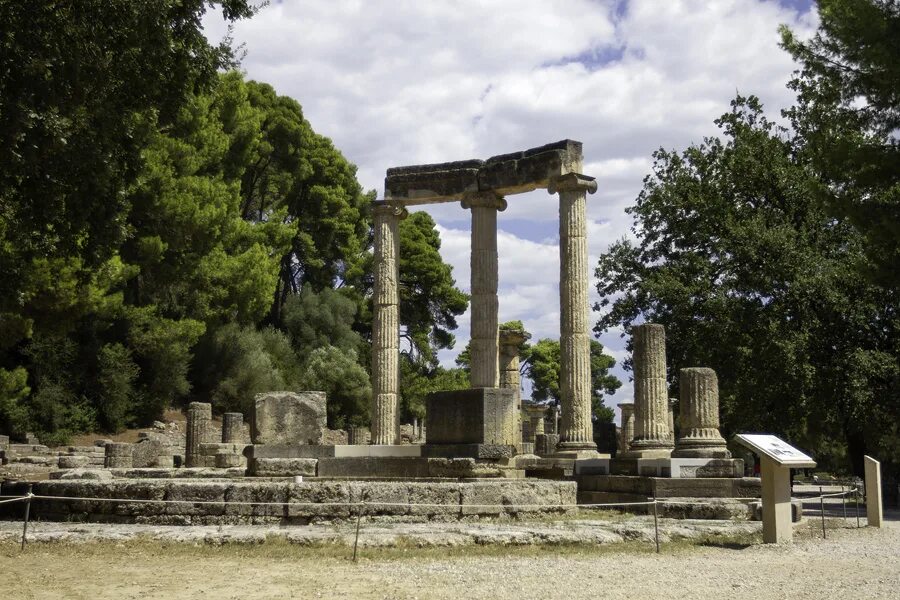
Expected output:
(753, 277)
(170, 233)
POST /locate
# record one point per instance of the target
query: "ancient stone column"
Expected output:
(386, 326)
(574, 335)
(232, 428)
(627, 432)
(673, 402)
(484, 345)
(199, 414)
(700, 437)
(651, 398)
(510, 341)
(357, 436)
(119, 456)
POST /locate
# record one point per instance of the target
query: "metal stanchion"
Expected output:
(655, 522)
(822, 510)
(844, 504)
(27, 514)
(856, 494)
(358, 519)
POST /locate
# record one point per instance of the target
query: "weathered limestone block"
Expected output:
(74, 462)
(282, 467)
(651, 400)
(546, 444)
(228, 461)
(4, 442)
(288, 418)
(474, 416)
(233, 428)
(199, 415)
(118, 456)
(673, 403)
(146, 453)
(700, 437)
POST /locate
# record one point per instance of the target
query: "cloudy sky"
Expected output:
(398, 82)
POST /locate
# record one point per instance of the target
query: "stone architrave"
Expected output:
(199, 415)
(288, 418)
(510, 342)
(484, 345)
(700, 437)
(233, 428)
(651, 399)
(627, 431)
(386, 326)
(575, 349)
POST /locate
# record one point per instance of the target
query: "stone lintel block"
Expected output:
(475, 451)
(373, 467)
(214, 448)
(504, 174)
(473, 416)
(288, 418)
(422, 184)
(320, 451)
(282, 467)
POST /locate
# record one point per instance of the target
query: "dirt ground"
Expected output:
(861, 563)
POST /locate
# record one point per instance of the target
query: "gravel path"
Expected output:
(858, 563)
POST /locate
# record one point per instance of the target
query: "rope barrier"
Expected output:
(16, 499)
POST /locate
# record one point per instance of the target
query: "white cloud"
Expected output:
(397, 82)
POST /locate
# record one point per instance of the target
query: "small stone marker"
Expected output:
(874, 511)
(777, 458)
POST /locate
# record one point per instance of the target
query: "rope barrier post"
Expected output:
(27, 515)
(844, 504)
(856, 495)
(358, 519)
(655, 522)
(822, 510)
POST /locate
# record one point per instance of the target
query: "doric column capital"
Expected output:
(513, 337)
(383, 208)
(572, 182)
(483, 199)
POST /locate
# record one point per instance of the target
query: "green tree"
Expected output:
(540, 362)
(847, 117)
(751, 276)
(346, 384)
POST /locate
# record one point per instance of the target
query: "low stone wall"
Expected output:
(206, 502)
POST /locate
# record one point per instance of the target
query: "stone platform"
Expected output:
(676, 468)
(287, 503)
(626, 488)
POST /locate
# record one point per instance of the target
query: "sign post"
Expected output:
(777, 459)
(874, 512)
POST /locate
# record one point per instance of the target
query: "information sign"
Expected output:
(778, 450)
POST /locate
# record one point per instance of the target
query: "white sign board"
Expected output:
(778, 450)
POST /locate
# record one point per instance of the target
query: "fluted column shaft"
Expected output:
(510, 341)
(386, 326)
(651, 398)
(199, 415)
(699, 396)
(574, 329)
(232, 428)
(627, 433)
(484, 344)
